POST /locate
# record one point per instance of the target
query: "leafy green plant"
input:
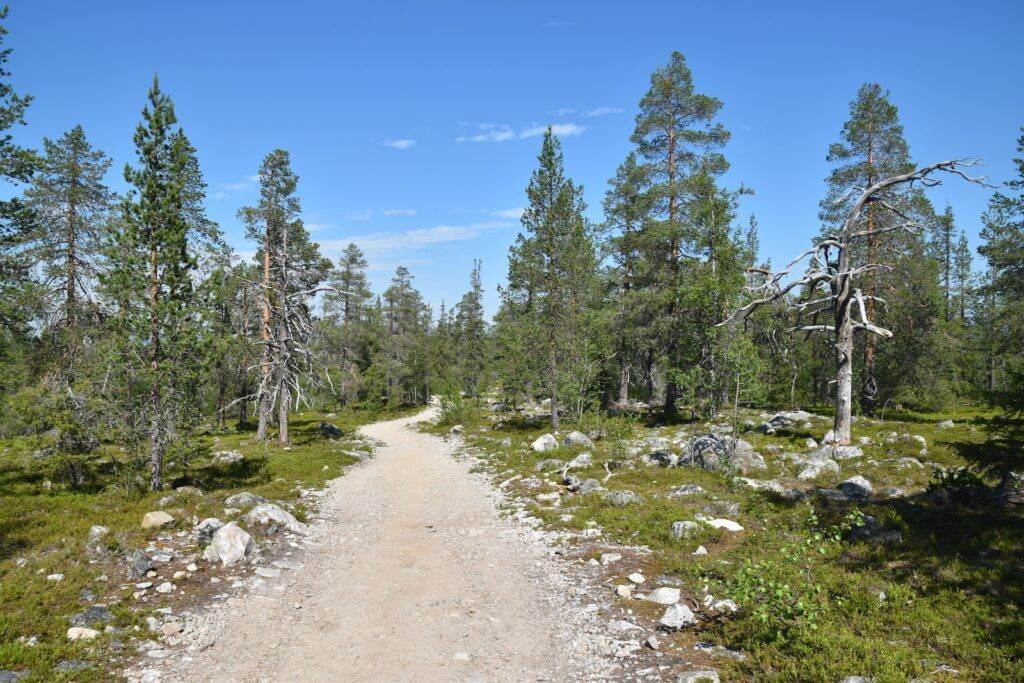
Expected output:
(782, 594)
(454, 408)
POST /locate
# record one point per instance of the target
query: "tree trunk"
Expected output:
(156, 454)
(283, 399)
(264, 402)
(624, 384)
(844, 375)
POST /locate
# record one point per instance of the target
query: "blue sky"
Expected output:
(414, 125)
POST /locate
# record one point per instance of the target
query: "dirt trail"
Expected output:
(410, 575)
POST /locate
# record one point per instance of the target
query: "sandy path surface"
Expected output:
(410, 575)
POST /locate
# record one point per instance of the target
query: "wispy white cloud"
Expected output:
(565, 111)
(490, 133)
(504, 132)
(559, 129)
(515, 213)
(602, 111)
(360, 215)
(218, 195)
(401, 143)
(384, 244)
(399, 212)
(244, 185)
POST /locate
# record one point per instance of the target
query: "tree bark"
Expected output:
(283, 399)
(624, 383)
(264, 402)
(844, 379)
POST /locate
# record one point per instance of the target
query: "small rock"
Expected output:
(156, 520)
(228, 457)
(577, 440)
(544, 443)
(205, 530)
(244, 499)
(726, 524)
(816, 468)
(456, 429)
(856, 487)
(624, 591)
(171, 628)
(622, 498)
(652, 642)
(608, 558)
(165, 587)
(685, 490)
(56, 578)
(82, 633)
(678, 616)
(97, 614)
(684, 529)
(229, 545)
(701, 550)
(664, 596)
(268, 513)
(946, 424)
(581, 461)
(698, 676)
(636, 577)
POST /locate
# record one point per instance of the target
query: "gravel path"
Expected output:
(410, 575)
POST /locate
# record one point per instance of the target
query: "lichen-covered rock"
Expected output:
(684, 529)
(622, 498)
(244, 499)
(138, 564)
(270, 514)
(856, 487)
(544, 443)
(817, 468)
(204, 531)
(577, 440)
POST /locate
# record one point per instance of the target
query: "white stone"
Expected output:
(268, 513)
(664, 595)
(578, 440)
(726, 524)
(81, 633)
(156, 519)
(545, 442)
(816, 468)
(636, 577)
(698, 676)
(230, 545)
(56, 578)
(165, 587)
(683, 529)
(678, 616)
(701, 550)
(624, 591)
(608, 558)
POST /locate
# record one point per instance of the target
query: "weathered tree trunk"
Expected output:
(282, 414)
(264, 402)
(624, 383)
(844, 381)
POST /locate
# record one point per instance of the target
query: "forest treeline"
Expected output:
(126, 319)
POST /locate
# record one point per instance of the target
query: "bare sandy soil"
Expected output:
(410, 575)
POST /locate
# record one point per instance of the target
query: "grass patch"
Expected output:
(943, 604)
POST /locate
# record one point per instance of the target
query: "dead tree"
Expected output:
(828, 298)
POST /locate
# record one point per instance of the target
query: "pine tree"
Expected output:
(404, 362)
(627, 206)
(1003, 250)
(679, 141)
(552, 272)
(345, 312)
(17, 164)
(292, 272)
(872, 147)
(153, 256)
(943, 251)
(71, 205)
(471, 335)
(962, 275)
